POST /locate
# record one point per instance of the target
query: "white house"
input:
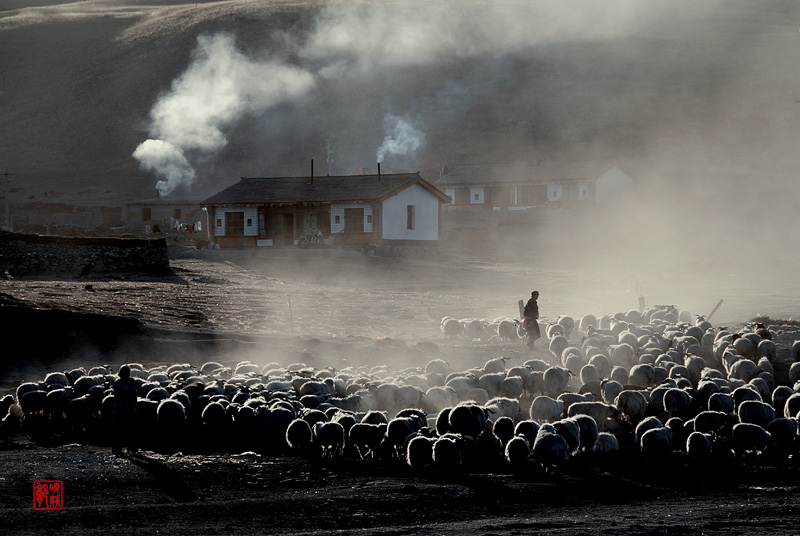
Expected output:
(347, 210)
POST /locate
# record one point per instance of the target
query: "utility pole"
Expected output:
(8, 176)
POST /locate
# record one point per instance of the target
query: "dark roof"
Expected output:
(165, 201)
(290, 190)
(527, 173)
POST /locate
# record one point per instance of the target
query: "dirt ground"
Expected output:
(336, 308)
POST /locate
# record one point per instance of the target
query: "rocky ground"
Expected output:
(334, 308)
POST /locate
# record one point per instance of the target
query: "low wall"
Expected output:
(26, 254)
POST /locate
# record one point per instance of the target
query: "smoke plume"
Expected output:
(401, 138)
(220, 87)
(167, 162)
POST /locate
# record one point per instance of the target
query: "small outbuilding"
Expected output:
(397, 209)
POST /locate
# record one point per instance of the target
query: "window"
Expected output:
(249, 222)
(234, 223)
(176, 213)
(146, 216)
(477, 197)
(369, 218)
(409, 216)
(219, 222)
(337, 219)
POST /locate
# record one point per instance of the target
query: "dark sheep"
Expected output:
(517, 450)
(299, 434)
(503, 429)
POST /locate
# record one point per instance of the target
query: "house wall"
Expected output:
(554, 192)
(250, 216)
(338, 210)
(426, 215)
(610, 184)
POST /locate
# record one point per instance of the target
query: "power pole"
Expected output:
(8, 176)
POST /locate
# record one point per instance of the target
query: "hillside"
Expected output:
(681, 92)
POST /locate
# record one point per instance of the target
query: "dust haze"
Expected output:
(695, 100)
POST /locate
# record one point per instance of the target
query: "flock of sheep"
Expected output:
(650, 383)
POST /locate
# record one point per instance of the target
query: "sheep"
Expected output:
(756, 412)
(517, 450)
(656, 441)
(550, 449)
(589, 432)
(721, 402)
(451, 327)
(399, 429)
(545, 409)
(598, 411)
(767, 348)
(558, 344)
(631, 406)
(478, 396)
(783, 433)
(367, 437)
(512, 387)
(588, 374)
(606, 443)
(748, 437)
(492, 382)
(642, 375)
(677, 402)
(437, 366)
(528, 429)
(609, 389)
(331, 437)
(449, 451)
(503, 429)
(496, 365)
(699, 445)
(467, 419)
(438, 398)
(299, 434)
(745, 393)
(419, 452)
(743, 369)
(568, 323)
(502, 407)
(645, 425)
(556, 380)
(779, 397)
(507, 331)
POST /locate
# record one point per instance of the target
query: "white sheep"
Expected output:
(545, 409)
(598, 411)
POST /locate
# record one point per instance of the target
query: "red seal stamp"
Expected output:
(48, 494)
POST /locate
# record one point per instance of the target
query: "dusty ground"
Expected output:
(333, 308)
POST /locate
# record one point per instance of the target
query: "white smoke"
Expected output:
(166, 161)
(401, 137)
(220, 87)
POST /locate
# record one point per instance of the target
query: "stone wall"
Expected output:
(26, 254)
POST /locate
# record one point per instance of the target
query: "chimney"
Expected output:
(379, 172)
(312, 171)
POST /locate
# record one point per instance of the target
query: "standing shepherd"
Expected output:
(125, 418)
(530, 323)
